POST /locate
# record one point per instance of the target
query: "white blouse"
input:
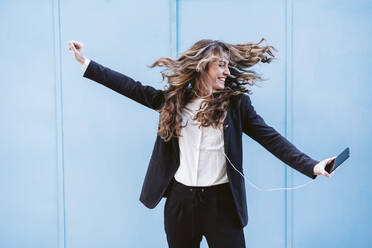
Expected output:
(202, 159)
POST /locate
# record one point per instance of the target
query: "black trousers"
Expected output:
(191, 212)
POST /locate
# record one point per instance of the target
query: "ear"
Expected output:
(207, 66)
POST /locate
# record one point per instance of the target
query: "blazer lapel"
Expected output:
(226, 129)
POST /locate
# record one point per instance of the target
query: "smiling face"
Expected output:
(217, 72)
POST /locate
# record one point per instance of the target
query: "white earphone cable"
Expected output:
(254, 185)
(261, 189)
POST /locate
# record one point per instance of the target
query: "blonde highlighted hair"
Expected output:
(184, 81)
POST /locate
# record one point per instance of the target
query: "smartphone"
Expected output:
(338, 161)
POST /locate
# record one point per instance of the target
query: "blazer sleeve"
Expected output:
(144, 94)
(255, 127)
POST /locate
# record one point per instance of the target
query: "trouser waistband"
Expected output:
(213, 188)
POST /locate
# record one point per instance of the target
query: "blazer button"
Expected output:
(191, 190)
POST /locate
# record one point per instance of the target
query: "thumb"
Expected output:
(326, 174)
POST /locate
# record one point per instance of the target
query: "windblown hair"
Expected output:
(185, 82)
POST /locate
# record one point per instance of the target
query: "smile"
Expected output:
(221, 80)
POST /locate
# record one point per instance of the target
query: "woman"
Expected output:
(197, 158)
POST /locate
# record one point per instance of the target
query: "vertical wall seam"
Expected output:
(292, 119)
(61, 221)
(173, 27)
(288, 118)
(285, 123)
(177, 27)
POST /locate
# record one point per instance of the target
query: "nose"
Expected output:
(227, 71)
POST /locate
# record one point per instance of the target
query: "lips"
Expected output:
(221, 79)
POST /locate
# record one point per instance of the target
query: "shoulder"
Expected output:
(241, 101)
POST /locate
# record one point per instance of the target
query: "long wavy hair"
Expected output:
(185, 81)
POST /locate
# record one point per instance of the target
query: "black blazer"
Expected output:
(241, 117)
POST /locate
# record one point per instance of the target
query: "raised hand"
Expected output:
(77, 49)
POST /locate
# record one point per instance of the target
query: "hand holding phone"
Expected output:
(338, 161)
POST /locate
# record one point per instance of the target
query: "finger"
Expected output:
(330, 160)
(77, 44)
(69, 44)
(326, 174)
(74, 49)
(74, 43)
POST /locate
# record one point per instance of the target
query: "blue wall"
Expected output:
(73, 154)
